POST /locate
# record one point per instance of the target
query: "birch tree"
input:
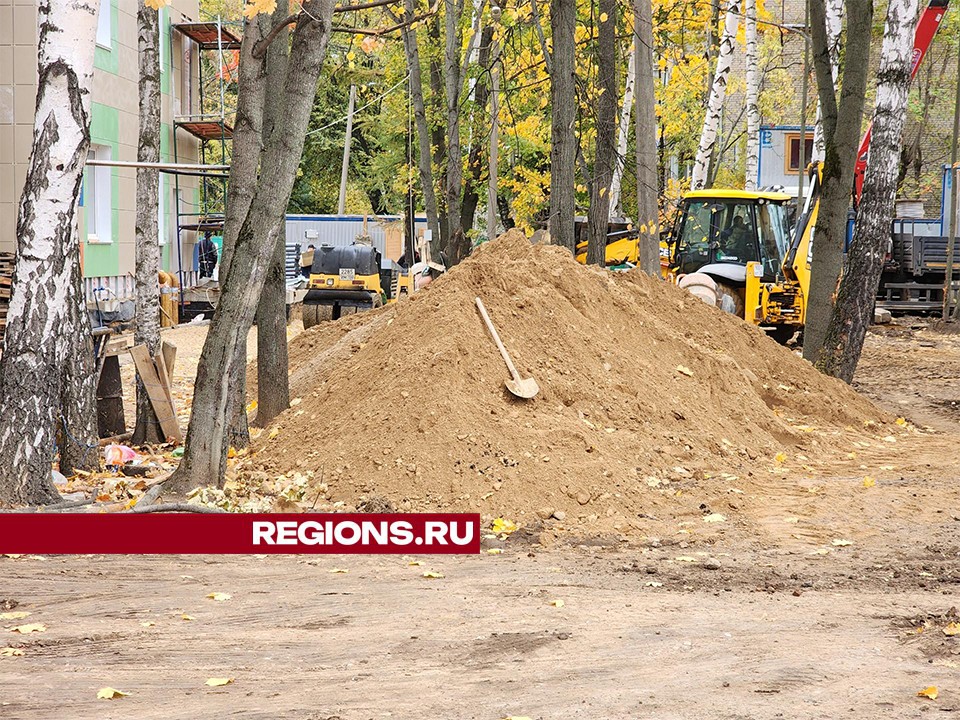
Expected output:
(616, 210)
(718, 91)
(834, 14)
(563, 140)
(147, 249)
(648, 185)
(42, 317)
(753, 90)
(856, 298)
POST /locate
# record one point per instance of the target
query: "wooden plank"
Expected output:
(165, 381)
(169, 351)
(156, 392)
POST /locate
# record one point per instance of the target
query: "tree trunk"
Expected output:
(856, 298)
(471, 196)
(718, 90)
(648, 185)
(753, 91)
(79, 446)
(273, 370)
(424, 157)
(834, 12)
(456, 248)
(599, 213)
(246, 149)
(626, 107)
(147, 250)
(204, 458)
(438, 122)
(42, 312)
(840, 142)
(563, 100)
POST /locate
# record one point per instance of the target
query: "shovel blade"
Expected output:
(525, 388)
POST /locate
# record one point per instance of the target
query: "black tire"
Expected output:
(377, 299)
(736, 299)
(782, 333)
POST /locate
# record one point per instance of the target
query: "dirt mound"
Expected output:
(645, 393)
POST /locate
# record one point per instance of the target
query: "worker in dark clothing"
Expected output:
(208, 256)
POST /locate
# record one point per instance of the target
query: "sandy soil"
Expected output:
(788, 623)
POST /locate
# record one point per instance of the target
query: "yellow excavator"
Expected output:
(734, 249)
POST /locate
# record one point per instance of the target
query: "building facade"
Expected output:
(107, 217)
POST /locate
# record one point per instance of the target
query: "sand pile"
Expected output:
(643, 388)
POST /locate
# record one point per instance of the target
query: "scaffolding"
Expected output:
(211, 126)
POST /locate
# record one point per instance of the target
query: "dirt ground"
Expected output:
(830, 602)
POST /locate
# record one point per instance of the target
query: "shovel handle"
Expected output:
(496, 339)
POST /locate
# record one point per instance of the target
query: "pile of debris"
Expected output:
(645, 391)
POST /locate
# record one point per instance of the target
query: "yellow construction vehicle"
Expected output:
(734, 249)
(623, 249)
(342, 279)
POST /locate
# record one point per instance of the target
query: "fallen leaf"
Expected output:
(217, 682)
(557, 603)
(684, 370)
(503, 527)
(109, 693)
(17, 615)
(27, 629)
(929, 692)
(187, 617)
(148, 623)
(10, 652)
(952, 629)
(842, 543)
(432, 574)
(654, 583)
(273, 433)
(902, 422)
(339, 571)
(415, 562)
(780, 457)
(714, 518)
(494, 551)
(869, 482)
(219, 596)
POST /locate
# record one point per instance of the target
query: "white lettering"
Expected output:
(434, 530)
(287, 532)
(467, 537)
(263, 531)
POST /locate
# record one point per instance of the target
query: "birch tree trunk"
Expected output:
(648, 184)
(616, 209)
(273, 369)
(599, 213)
(563, 141)
(424, 157)
(753, 90)
(42, 315)
(147, 249)
(834, 10)
(841, 138)
(856, 298)
(718, 91)
(204, 458)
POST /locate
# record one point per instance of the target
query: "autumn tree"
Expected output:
(856, 297)
(46, 313)
(563, 103)
(605, 156)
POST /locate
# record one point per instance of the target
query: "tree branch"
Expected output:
(174, 507)
(379, 32)
(363, 6)
(260, 49)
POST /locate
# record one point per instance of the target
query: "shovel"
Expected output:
(521, 387)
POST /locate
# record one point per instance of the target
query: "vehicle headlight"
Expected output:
(329, 281)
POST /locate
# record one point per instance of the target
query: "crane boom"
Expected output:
(927, 28)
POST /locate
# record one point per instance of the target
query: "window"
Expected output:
(716, 231)
(792, 147)
(104, 25)
(98, 198)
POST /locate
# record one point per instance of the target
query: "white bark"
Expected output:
(718, 91)
(753, 89)
(42, 317)
(626, 106)
(834, 27)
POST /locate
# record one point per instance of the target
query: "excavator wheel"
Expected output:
(730, 299)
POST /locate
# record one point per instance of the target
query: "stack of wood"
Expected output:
(6, 284)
